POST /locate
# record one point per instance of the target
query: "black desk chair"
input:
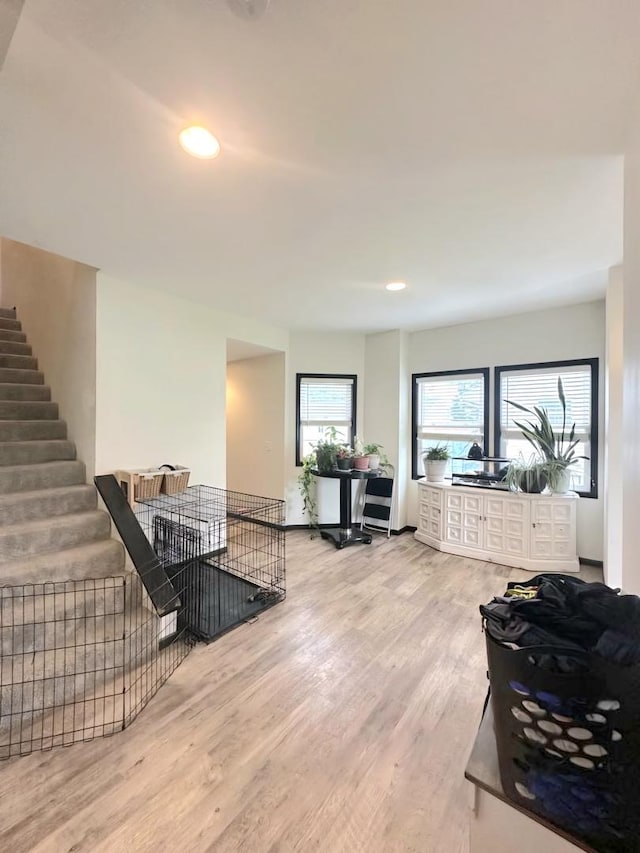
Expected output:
(377, 505)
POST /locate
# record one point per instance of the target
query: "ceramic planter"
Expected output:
(361, 463)
(374, 461)
(345, 464)
(435, 469)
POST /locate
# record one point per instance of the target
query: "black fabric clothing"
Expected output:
(569, 615)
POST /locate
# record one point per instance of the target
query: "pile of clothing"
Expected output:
(569, 615)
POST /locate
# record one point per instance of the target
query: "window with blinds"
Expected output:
(537, 385)
(324, 401)
(449, 408)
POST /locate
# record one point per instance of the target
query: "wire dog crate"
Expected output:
(223, 551)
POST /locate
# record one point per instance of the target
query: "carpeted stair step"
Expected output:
(27, 410)
(32, 452)
(44, 535)
(32, 430)
(15, 348)
(10, 335)
(46, 475)
(15, 391)
(19, 362)
(8, 313)
(93, 560)
(10, 323)
(45, 503)
(21, 377)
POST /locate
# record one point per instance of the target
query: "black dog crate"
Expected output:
(223, 551)
(569, 742)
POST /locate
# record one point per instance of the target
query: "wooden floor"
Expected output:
(340, 721)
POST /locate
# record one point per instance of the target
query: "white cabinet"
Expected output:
(430, 512)
(535, 532)
(463, 519)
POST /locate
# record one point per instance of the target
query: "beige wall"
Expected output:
(255, 425)
(161, 379)
(56, 302)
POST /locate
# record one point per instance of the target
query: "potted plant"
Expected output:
(557, 450)
(373, 451)
(344, 458)
(435, 463)
(307, 486)
(360, 459)
(326, 451)
(530, 477)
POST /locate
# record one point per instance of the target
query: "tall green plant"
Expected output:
(556, 449)
(307, 486)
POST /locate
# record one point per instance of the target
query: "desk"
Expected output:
(346, 534)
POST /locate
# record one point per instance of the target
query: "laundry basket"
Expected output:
(141, 483)
(176, 479)
(568, 741)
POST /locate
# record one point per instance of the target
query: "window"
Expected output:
(323, 401)
(537, 385)
(449, 408)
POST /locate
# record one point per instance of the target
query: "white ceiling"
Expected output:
(470, 148)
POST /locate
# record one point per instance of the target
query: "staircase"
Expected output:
(50, 527)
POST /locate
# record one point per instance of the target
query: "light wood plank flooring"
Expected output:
(340, 721)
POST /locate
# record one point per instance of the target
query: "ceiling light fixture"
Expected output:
(395, 285)
(199, 142)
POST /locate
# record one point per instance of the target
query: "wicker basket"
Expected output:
(140, 484)
(175, 481)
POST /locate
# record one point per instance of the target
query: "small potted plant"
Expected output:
(435, 463)
(326, 451)
(344, 458)
(526, 476)
(360, 459)
(373, 451)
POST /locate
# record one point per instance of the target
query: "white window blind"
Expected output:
(539, 387)
(451, 407)
(324, 402)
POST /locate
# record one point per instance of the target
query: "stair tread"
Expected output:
(52, 521)
(21, 376)
(60, 491)
(102, 558)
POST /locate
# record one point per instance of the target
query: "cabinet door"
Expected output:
(463, 519)
(553, 529)
(507, 525)
(430, 512)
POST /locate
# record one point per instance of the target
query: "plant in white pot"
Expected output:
(374, 452)
(556, 450)
(435, 463)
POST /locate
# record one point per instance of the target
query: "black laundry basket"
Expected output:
(569, 742)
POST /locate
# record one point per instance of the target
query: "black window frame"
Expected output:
(354, 402)
(594, 365)
(486, 373)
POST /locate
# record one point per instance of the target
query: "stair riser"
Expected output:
(65, 532)
(34, 452)
(19, 410)
(31, 478)
(13, 391)
(8, 313)
(19, 362)
(32, 430)
(22, 377)
(10, 335)
(8, 323)
(13, 348)
(46, 504)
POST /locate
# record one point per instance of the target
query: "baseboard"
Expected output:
(598, 564)
(310, 527)
(408, 528)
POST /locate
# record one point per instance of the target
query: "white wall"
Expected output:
(562, 333)
(386, 408)
(255, 425)
(56, 302)
(630, 473)
(318, 352)
(161, 379)
(614, 445)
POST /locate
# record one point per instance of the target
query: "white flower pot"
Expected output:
(374, 461)
(564, 483)
(435, 469)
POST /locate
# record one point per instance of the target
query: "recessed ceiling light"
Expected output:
(395, 285)
(199, 142)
